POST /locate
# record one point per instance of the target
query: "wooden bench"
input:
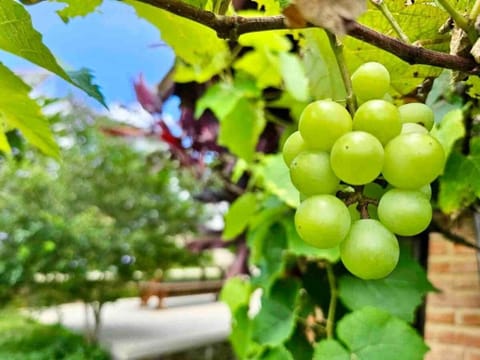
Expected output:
(177, 288)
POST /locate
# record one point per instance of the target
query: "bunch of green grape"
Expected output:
(364, 179)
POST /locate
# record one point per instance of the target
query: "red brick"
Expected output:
(462, 249)
(468, 337)
(466, 281)
(444, 352)
(464, 265)
(440, 315)
(439, 246)
(441, 266)
(469, 317)
(458, 298)
(441, 281)
(454, 335)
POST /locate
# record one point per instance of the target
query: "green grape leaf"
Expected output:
(263, 65)
(449, 130)
(298, 343)
(276, 320)
(83, 78)
(321, 66)
(241, 334)
(241, 128)
(274, 41)
(4, 144)
(373, 334)
(299, 247)
(239, 214)
(294, 78)
(276, 179)
(236, 293)
(420, 21)
(19, 111)
(399, 294)
(331, 350)
(17, 36)
(473, 83)
(197, 3)
(267, 244)
(459, 185)
(277, 353)
(76, 8)
(201, 54)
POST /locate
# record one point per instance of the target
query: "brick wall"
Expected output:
(452, 327)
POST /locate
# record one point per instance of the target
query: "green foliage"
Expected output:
(450, 129)
(201, 54)
(459, 185)
(371, 334)
(76, 8)
(18, 111)
(106, 208)
(399, 294)
(18, 37)
(239, 214)
(25, 339)
(330, 349)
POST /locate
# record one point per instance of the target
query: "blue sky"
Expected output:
(113, 42)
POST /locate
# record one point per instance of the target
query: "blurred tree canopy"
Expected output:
(91, 222)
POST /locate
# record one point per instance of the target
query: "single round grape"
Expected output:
(370, 251)
(408, 128)
(293, 146)
(357, 158)
(405, 212)
(417, 113)
(379, 118)
(312, 174)
(370, 81)
(322, 122)
(322, 221)
(413, 160)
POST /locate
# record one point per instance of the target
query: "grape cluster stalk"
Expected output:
(364, 179)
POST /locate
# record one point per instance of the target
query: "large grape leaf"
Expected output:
(331, 350)
(241, 335)
(420, 21)
(321, 66)
(19, 111)
(18, 37)
(76, 8)
(271, 7)
(276, 320)
(399, 294)
(459, 185)
(201, 53)
(373, 334)
(236, 293)
(277, 353)
(276, 179)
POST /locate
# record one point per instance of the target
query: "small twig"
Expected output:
(475, 12)
(333, 300)
(337, 48)
(380, 5)
(459, 19)
(457, 239)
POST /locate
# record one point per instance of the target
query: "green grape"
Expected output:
(322, 122)
(379, 118)
(370, 251)
(293, 146)
(413, 160)
(405, 212)
(426, 190)
(312, 174)
(357, 158)
(408, 128)
(322, 221)
(370, 81)
(417, 113)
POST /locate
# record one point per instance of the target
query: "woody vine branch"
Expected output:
(231, 27)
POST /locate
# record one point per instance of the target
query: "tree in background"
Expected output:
(87, 226)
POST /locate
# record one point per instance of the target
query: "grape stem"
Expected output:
(333, 300)
(380, 5)
(337, 48)
(459, 19)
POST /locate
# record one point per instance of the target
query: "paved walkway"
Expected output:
(132, 332)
